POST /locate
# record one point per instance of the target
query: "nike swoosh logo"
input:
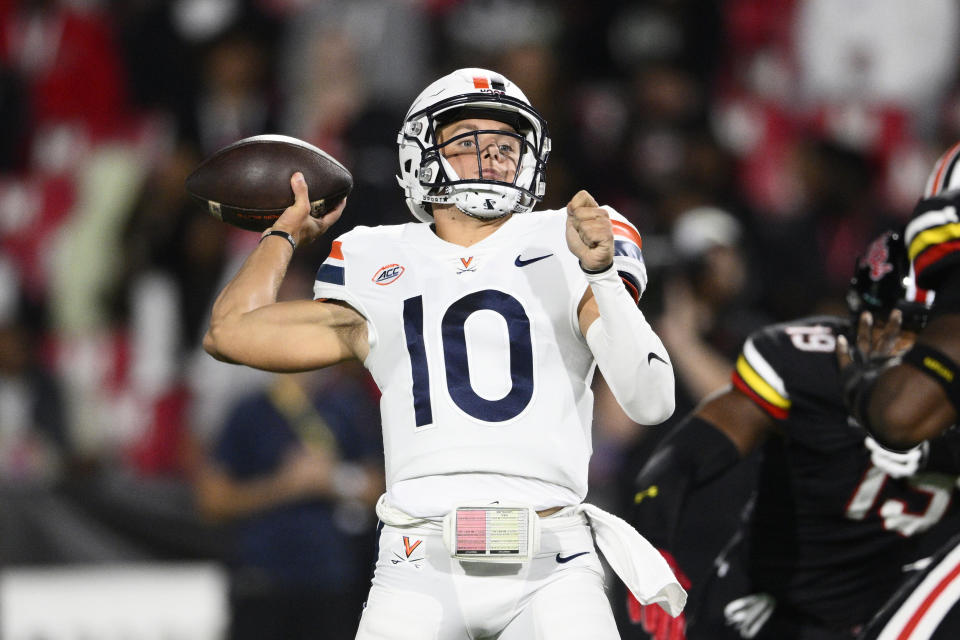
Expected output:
(652, 356)
(522, 263)
(561, 559)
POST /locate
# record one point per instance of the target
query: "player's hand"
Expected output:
(748, 614)
(859, 354)
(589, 232)
(873, 351)
(872, 345)
(308, 472)
(654, 620)
(296, 219)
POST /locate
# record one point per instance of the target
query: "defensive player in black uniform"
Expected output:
(830, 530)
(920, 397)
(905, 401)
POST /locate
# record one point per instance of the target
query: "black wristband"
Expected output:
(856, 383)
(282, 234)
(596, 272)
(938, 366)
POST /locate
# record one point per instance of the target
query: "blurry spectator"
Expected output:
(872, 52)
(292, 471)
(349, 71)
(340, 57)
(235, 97)
(85, 267)
(838, 211)
(168, 235)
(33, 434)
(163, 42)
(37, 523)
(14, 115)
(68, 61)
(707, 303)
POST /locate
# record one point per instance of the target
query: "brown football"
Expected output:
(247, 183)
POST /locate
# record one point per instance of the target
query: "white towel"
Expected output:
(638, 563)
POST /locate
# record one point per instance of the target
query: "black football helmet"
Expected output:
(882, 282)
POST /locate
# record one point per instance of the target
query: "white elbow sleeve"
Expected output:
(631, 357)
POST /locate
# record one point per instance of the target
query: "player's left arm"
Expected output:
(917, 400)
(904, 402)
(633, 360)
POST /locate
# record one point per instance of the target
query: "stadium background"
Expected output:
(786, 132)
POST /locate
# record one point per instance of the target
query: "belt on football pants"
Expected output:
(637, 563)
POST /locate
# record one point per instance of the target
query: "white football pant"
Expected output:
(420, 593)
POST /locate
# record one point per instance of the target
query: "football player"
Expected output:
(918, 397)
(482, 324)
(905, 401)
(832, 522)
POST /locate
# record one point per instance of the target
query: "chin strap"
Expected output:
(631, 357)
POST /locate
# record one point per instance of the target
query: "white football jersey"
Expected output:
(477, 350)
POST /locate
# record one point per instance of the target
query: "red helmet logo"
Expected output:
(878, 258)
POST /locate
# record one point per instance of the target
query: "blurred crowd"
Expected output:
(757, 145)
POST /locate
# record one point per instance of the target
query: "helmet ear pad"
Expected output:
(410, 183)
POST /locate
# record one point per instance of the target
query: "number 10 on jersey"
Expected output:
(456, 363)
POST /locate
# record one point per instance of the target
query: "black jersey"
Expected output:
(830, 531)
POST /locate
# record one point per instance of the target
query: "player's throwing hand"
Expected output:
(297, 220)
(589, 232)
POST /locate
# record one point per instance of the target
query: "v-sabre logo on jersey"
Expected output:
(409, 547)
(466, 262)
(388, 274)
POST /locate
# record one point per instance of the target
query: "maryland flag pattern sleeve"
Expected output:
(784, 364)
(932, 238)
(757, 378)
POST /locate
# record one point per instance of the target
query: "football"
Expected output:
(247, 183)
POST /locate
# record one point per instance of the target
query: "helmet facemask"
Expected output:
(481, 197)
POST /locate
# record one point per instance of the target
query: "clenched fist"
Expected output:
(589, 232)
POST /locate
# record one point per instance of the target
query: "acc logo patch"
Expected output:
(388, 274)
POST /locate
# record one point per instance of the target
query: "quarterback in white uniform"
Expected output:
(482, 328)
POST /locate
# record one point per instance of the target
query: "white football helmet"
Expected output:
(428, 178)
